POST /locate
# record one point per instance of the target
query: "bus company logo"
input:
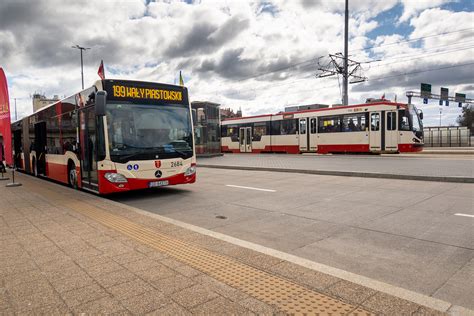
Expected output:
(129, 167)
(135, 167)
(158, 173)
(157, 163)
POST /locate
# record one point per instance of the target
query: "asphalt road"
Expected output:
(413, 234)
(409, 165)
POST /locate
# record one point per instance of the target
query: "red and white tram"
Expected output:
(379, 127)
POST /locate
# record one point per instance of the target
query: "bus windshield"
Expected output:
(144, 131)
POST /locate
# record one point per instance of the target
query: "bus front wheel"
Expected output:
(72, 175)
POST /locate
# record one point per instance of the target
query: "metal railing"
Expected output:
(447, 136)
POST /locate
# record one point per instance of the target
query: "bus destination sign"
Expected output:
(144, 91)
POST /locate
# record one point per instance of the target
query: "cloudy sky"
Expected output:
(259, 55)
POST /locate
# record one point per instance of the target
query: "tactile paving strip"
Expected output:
(285, 295)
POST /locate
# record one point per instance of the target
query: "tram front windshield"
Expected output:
(144, 131)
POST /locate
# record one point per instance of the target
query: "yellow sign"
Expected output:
(146, 93)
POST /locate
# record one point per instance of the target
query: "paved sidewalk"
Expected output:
(63, 251)
(406, 167)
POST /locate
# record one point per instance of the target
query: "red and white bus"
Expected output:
(377, 127)
(115, 136)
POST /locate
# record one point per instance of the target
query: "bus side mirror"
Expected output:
(421, 114)
(100, 100)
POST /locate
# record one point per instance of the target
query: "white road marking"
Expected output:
(249, 188)
(466, 215)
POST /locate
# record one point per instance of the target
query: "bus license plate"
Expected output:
(158, 183)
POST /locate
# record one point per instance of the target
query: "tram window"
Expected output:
(259, 129)
(391, 121)
(303, 126)
(353, 123)
(375, 121)
(404, 122)
(329, 124)
(313, 126)
(284, 127)
(232, 131)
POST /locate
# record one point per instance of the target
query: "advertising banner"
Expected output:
(5, 123)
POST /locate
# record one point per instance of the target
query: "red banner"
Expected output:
(5, 123)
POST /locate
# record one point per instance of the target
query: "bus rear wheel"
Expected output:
(72, 175)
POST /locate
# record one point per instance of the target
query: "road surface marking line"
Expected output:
(466, 215)
(249, 188)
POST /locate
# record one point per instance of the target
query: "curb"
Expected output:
(348, 174)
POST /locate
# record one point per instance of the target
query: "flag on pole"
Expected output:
(5, 121)
(181, 81)
(383, 96)
(101, 71)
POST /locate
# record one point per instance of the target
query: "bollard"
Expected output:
(13, 183)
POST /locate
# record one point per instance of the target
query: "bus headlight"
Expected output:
(190, 171)
(115, 177)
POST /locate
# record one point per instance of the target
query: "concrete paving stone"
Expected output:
(173, 284)
(220, 288)
(172, 263)
(146, 302)
(90, 261)
(350, 292)
(38, 298)
(193, 296)
(115, 277)
(128, 257)
(389, 305)
(316, 280)
(129, 289)
(84, 252)
(22, 267)
(83, 295)
(171, 309)
(73, 282)
(261, 261)
(63, 272)
(102, 268)
(46, 258)
(157, 255)
(22, 277)
(113, 248)
(259, 307)
(156, 272)
(58, 264)
(4, 301)
(50, 310)
(102, 306)
(187, 271)
(220, 306)
(141, 265)
(425, 311)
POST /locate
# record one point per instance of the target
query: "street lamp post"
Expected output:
(82, 65)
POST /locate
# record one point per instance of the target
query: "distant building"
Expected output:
(229, 113)
(297, 108)
(40, 101)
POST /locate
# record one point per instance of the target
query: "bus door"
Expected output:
(17, 148)
(89, 178)
(375, 135)
(40, 148)
(303, 134)
(313, 134)
(245, 139)
(391, 134)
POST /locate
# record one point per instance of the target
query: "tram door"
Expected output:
(245, 139)
(313, 134)
(303, 135)
(375, 135)
(391, 134)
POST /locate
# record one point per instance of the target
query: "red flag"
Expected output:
(383, 96)
(101, 71)
(5, 123)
